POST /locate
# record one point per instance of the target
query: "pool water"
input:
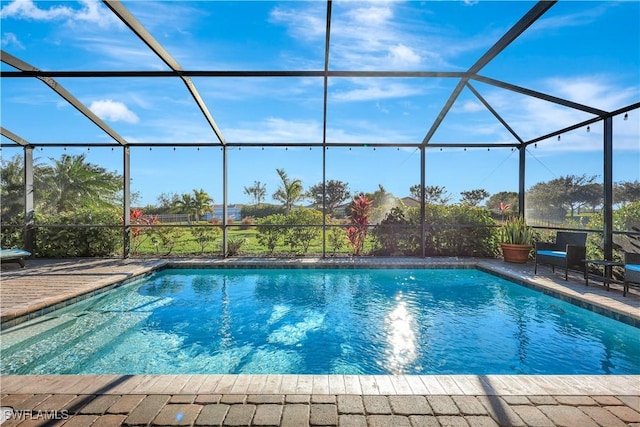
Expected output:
(281, 321)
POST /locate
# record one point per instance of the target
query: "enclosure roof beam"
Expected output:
(232, 73)
(326, 72)
(513, 33)
(9, 59)
(443, 113)
(614, 113)
(494, 112)
(540, 95)
(130, 21)
(12, 136)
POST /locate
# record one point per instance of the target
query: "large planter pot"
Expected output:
(515, 253)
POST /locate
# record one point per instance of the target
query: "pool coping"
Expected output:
(626, 311)
(387, 385)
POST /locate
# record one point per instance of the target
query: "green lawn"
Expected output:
(186, 243)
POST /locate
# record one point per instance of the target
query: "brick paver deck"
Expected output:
(303, 400)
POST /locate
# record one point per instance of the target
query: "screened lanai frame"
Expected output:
(464, 80)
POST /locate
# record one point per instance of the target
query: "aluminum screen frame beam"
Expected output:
(139, 30)
(325, 96)
(513, 33)
(12, 136)
(540, 95)
(233, 73)
(494, 112)
(9, 59)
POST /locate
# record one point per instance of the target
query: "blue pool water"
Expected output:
(322, 322)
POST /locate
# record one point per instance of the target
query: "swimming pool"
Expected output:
(360, 321)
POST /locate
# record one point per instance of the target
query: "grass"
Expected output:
(185, 243)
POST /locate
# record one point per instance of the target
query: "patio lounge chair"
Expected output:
(568, 252)
(631, 270)
(13, 255)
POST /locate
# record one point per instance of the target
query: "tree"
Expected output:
(336, 192)
(290, 192)
(166, 202)
(591, 195)
(197, 203)
(433, 194)
(473, 197)
(625, 192)
(258, 192)
(184, 204)
(71, 182)
(202, 203)
(568, 192)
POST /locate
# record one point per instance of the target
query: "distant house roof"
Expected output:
(410, 202)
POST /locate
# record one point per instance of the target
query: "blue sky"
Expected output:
(586, 52)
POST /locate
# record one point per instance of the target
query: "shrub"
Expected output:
(270, 230)
(12, 232)
(458, 230)
(204, 236)
(246, 223)
(261, 210)
(626, 218)
(359, 220)
(166, 238)
(299, 238)
(85, 241)
(234, 245)
(335, 236)
(397, 234)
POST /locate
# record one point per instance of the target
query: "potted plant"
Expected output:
(516, 240)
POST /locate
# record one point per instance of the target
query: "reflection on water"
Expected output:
(322, 322)
(401, 338)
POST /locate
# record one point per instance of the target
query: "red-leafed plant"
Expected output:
(357, 231)
(140, 229)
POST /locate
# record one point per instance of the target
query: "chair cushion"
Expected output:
(633, 267)
(557, 254)
(13, 253)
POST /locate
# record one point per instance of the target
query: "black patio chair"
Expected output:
(631, 270)
(568, 252)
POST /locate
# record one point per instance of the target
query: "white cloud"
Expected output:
(375, 90)
(90, 12)
(26, 9)
(584, 17)
(372, 15)
(401, 55)
(595, 91)
(274, 129)
(309, 24)
(472, 107)
(10, 39)
(113, 111)
(366, 35)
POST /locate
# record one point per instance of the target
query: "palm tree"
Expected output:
(290, 192)
(257, 192)
(185, 204)
(71, 181)
(202, 203)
